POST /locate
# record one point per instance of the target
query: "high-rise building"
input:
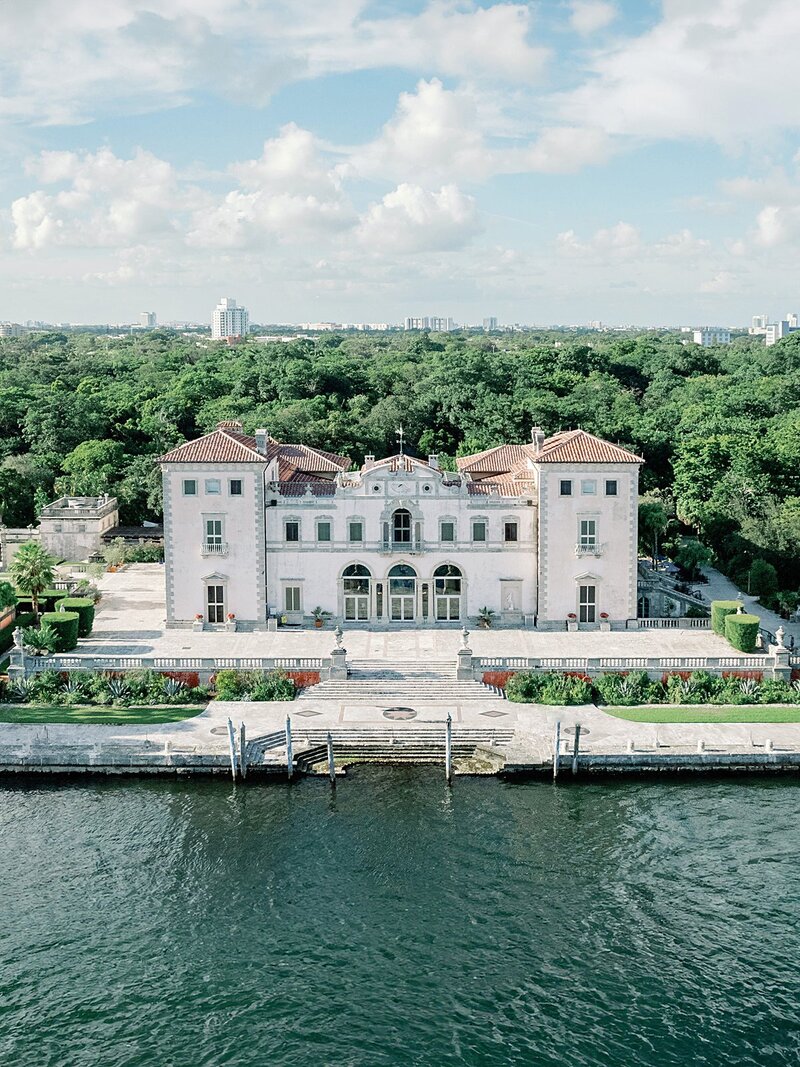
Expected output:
(775, 331)
(711, 335)
(148, 319)
(430, 322)
(490, 323)
(229, 320)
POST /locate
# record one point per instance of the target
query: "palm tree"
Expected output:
(33, 571)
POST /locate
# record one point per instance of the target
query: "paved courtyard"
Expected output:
(131, 621)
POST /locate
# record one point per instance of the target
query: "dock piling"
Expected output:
(448, 750)
(232, 746)
(576, 748)
(289, 753)
(557, 750)
(331, 764)
(243, 750)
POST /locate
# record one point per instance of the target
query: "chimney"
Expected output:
(262, 440)
(433, 461)
(537, 438)
(369, 460)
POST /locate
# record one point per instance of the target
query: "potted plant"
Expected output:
(572, 621)
(320, 617)
(485, 618)
(198, 622)
(230, 622)
(605, 623)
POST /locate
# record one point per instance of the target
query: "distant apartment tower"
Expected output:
(490, 323)
(430, 322)
(229, 320)
(758, 326)
(711, 335)
(775, 331)
(148, 319)
(11, 329)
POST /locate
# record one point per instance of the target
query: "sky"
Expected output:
(558, 161)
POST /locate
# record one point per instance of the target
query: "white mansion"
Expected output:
(539, 533)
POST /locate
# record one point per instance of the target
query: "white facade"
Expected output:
(711, 335)
(229, 320)
(537, 533)
(440, 324)
(776, 331)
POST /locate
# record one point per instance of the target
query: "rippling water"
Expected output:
(191, 923)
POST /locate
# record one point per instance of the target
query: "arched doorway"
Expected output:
(402, 593)
(355, 592)
(447, 582)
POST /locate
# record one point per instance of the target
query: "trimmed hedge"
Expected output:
(742, 631)
(85, 609)
(719, 610)
(47, 600)
(65, 624)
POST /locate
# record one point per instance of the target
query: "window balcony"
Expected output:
(410, 547)
(589, 548)
(214, 548)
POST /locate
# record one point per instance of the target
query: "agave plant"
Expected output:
(748, 687)
(173, 688)
(20, 691)
(118, 689)
(39, 642)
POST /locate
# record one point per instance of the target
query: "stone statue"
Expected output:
(510, 602)
(338, 634)
(17, 639)
(465, 636)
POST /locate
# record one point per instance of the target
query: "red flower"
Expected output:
(572, 615)
(603, 614)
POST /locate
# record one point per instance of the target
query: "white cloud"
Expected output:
(718, 69)
(588, 16)
(620, 240)
(724, 281)
(67, 63)
(413, 219)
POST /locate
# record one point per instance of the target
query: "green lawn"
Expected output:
(92, 715)
(708, 713)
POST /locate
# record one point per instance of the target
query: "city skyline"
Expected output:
(357, 161)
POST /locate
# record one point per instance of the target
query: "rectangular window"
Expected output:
(355, 530)
(479, 530)
(189, 487)
(213, 486)
(323, 531)
(292, 529)
(587, 537)
(292, 598)
(587, 603)
(566, 487)
(611, 487)
(448, 531)
(510, 532)
(235, 487)
(589, 487)
(213, 533)
(215, 600)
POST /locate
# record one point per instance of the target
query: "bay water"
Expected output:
(396, 922)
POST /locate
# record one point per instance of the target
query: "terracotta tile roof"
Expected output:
(578, 446)
(219, 446)
(227, 444)
(497, 460)
(302, 486)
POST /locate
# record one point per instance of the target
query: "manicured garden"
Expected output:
(94, 715)
(737, 688)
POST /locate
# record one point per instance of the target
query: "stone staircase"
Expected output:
(393, 682)
(422, 743)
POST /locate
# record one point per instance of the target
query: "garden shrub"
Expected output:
(719, 609)
(524, 687)
(65, 624)
(499, 679)
(84, 607)
(742, 631)
(228, 685)
(254, 685)
(304, 679)
(567, 689)
(40, 640)
(624, 689)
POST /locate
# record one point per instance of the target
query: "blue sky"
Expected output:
(557, 161)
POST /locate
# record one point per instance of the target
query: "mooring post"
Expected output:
(331, 764)
(556, 749)
(243, 750)
(448, 750)
(289, 755)
(575, 748)
(232, 744)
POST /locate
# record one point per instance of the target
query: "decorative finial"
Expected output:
(401, 438)
(779, 637)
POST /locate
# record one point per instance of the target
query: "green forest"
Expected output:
(719, 427)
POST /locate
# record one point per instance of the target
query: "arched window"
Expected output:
(447, 592)
(401, 527)
(402, 592)
(355, 591)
